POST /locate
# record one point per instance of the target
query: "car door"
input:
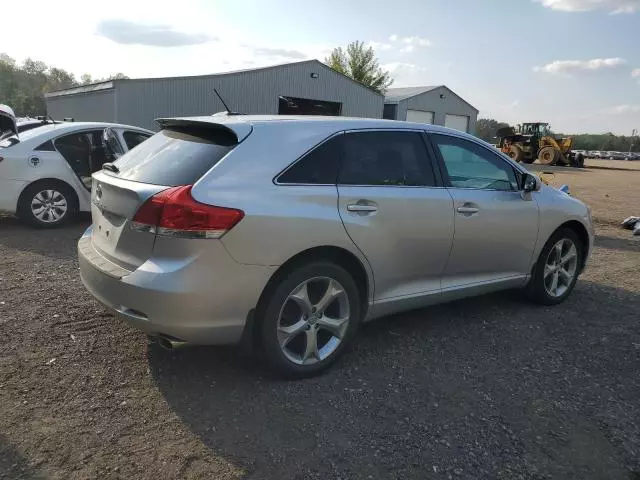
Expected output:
(496, 225)
(396, 212)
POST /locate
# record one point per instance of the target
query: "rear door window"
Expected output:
(385, 158)
(174, 156)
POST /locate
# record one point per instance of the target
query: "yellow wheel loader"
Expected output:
(533, 141)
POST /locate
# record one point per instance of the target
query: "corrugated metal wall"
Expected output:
(97, 106)
(431, 102)
(250, 92)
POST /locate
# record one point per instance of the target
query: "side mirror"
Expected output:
(531, 183)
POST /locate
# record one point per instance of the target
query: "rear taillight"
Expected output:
(174, 213)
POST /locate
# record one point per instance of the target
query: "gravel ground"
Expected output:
(490, 387)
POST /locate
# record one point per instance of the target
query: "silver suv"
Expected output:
(291, 231)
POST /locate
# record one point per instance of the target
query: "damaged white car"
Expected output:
(45, 173)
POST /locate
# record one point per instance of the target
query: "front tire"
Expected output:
(309, 318)
(548, 155)
(556, 272)
(47, 204)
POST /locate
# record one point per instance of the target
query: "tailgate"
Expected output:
(114, 202)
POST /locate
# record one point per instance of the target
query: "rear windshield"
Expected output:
(176, 156)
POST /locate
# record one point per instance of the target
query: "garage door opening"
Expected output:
(457, 122)
(306, 106)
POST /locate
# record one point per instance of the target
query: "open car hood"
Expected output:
(7, 121)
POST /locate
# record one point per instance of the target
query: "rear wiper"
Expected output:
(111, 167)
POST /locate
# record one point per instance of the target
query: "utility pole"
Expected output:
(634, 133)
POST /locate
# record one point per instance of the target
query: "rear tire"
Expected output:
(303, 336)
(48, 204)
(556, 271)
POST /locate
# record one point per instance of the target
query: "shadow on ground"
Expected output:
(632, 244)
(13, 465)
(486, 387)
(57, 243)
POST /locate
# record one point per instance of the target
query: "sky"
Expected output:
(572, 63)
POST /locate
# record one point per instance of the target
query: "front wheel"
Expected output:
(548, 155)
(309, 319)
(47, 204)
(556, 272)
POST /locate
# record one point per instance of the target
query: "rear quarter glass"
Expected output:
(176, 156)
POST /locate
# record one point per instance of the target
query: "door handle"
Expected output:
(467, 210)
(358, 207)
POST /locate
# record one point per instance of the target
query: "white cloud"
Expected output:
(623, 109)
(417, 41)
(569, 67)
(396, 67)
(410, 43)
(636, 73)
(132, 33)
(612, 6)
(379, 45)
(514, 104)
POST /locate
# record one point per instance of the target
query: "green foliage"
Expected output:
(359, 62)
(22, 87)
(606, 142)
(486, 129)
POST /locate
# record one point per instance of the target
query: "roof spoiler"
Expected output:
(8, 124)
(239, 131)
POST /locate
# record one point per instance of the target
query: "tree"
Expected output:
(86, 79)
(359, 62)
(486, 129)
(23, 86)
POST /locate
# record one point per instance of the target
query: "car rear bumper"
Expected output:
(200, 299)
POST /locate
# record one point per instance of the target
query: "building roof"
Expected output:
(397, 94)
(111, 83)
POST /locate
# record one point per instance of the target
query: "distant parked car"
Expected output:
(616, 156)
(292, 231)
(45, 172)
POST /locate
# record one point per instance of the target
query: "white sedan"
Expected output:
(45, 173)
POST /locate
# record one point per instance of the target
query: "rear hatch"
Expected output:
(180, 154)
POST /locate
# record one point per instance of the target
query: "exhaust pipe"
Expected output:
(170, 343)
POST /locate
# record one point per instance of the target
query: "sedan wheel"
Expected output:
(49, 206)
(313, 321)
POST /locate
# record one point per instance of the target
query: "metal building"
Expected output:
(437, 105)
(308, 87)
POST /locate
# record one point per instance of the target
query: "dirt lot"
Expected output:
(491, 387)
